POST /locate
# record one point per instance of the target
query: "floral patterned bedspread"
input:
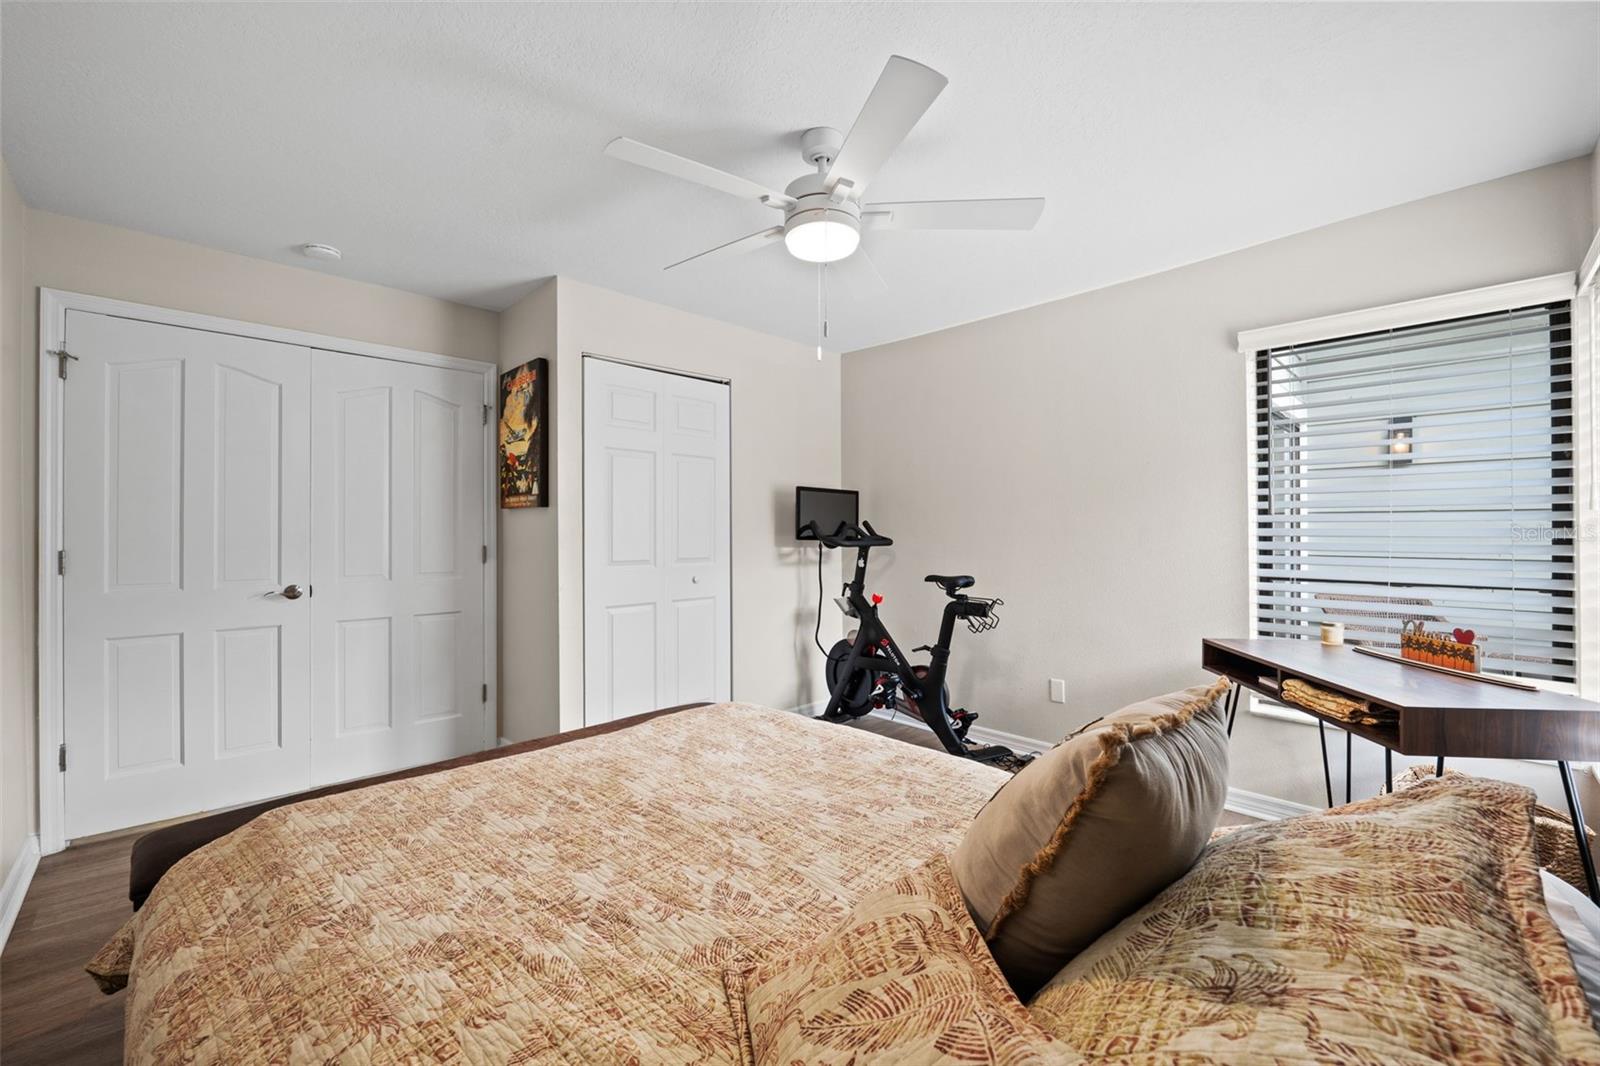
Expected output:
(571, 905)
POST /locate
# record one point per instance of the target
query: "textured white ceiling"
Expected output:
(455, 149)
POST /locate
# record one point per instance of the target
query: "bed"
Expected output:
(729, 884)
(576, 903)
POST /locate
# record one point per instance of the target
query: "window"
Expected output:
(1423, 472)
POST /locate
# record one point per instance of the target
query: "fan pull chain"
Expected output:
(822, 307)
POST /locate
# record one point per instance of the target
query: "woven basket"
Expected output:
(1553, 842)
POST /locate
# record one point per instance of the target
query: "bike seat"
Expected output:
(950, 582)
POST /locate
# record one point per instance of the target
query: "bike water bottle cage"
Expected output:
(951, 583)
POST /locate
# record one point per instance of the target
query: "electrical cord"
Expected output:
(816, 636)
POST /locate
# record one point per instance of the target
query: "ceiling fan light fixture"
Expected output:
(822, 235)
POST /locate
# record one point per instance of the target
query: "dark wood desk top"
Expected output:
(1435, 714)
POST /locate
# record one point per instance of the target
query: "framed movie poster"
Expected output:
(525, 436)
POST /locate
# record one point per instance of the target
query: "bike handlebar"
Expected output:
(851, 536)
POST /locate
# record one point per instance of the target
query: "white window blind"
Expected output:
(1422, 473)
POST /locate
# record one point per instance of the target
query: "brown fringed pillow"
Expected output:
(1092, 829)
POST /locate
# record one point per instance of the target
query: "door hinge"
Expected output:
(61, 758)
(486, 414)
(62, 355)
(485, 553)
(61, 561)
(485, 693)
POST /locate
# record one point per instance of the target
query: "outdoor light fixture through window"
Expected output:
(1400, 440)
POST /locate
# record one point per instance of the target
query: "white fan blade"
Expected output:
(904, 92)
(861, 274)
(744, 244)
(631, 151)
(1019, 213)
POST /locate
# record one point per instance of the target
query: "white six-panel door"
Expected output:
(205, 473)
(186, 677)
(397, 486)
(657, 603)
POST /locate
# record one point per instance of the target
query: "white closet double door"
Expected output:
(272, 575)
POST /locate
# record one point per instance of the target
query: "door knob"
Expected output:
(291, 592)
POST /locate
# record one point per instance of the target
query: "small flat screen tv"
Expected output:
(826, 507)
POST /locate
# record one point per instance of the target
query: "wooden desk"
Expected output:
(1434, 714)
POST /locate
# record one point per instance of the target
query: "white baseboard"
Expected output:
(18, 878)
(1266, 808)
(503, 742)
(1249, 804)
(1014, 741)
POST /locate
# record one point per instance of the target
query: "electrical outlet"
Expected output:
(1058, 690)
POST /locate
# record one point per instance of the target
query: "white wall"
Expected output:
(786, 432)
(1085, 459)
(17, 384)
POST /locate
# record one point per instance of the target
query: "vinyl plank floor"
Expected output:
(910, 732)
(50, 1010)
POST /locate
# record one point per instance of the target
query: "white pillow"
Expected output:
(1578, 919)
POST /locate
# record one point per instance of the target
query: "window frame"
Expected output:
(1554, 288)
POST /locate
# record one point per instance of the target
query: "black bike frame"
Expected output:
(874, 645)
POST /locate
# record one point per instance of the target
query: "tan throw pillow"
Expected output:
(905, 978)
(1093, 828)
(1406, 929)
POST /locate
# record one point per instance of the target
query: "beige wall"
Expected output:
(1005, 448)
(785, 433)
(79, 256)
(529, 689)
(17, 408)
(54, 251)
(1085, 459)
(1594, 187)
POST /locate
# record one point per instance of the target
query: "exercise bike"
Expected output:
(867, 670)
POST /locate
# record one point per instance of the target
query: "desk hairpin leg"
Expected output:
(1347, 742)
(1575, 808)
(1327, 775)
(1231, 708)
(1438, 767)
(1388, 771)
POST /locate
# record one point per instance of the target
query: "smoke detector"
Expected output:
(326, 252)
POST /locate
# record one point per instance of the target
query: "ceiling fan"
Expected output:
(823, 212)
